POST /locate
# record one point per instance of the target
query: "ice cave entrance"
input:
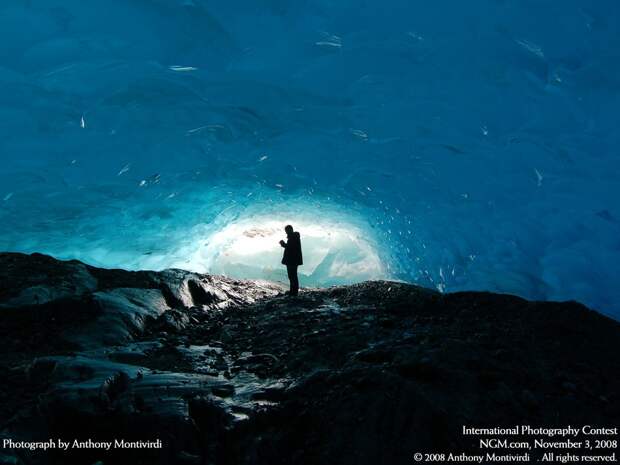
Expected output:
(335, 252)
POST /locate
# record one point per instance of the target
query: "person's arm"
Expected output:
(283, 244)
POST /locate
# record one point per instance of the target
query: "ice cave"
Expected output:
(456, 145)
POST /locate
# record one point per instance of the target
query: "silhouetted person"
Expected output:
(292, 257)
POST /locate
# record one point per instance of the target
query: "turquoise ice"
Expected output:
(457, 145)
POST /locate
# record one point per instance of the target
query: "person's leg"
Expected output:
(294, 281)
(290, 271)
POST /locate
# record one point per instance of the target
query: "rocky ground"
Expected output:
(224, 371)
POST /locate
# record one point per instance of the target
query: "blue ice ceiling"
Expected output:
(458, 145)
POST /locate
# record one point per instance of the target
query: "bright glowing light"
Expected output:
(335, 251)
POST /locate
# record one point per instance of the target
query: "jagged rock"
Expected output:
(202, 296)
(230, 372)
(39, 279)
(225, 390)
(173, 320)
(122, 314)
(114, 386)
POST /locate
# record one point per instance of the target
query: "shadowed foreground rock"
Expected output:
(231, 372)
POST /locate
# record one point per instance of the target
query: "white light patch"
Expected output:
(334, 252)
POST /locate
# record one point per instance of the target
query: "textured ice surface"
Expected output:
(459, 145)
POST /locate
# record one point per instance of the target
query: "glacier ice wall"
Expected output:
(459, 145)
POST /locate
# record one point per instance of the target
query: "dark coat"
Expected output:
(292, 250)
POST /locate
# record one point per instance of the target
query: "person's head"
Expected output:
(288, 229)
